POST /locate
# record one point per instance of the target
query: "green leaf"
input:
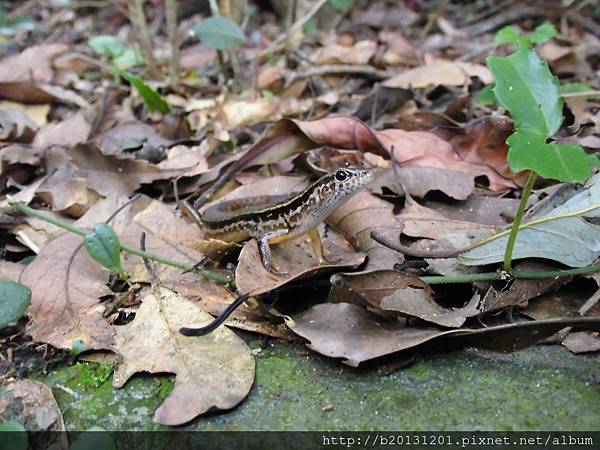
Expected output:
(131, 57)
(17, 439)
(527, 89)
(14, 301)
(563, 162)
(486, 96)
(340, 5)
(567, 234)
(107, 45)
(508, 35)
(219, 32)
(152, 99)
(78, 347)
(543, 33)
(103, 245)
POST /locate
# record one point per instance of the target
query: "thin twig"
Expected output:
(140, 26)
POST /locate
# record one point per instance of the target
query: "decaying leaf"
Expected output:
(16, 126)
(66, 285)
(213, 372)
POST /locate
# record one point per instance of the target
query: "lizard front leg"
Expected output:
(265, 250)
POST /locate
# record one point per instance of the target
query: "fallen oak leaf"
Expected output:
(215, 371)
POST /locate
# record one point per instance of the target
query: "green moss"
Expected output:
(540, 388)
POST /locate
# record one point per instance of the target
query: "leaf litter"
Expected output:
(374, 90)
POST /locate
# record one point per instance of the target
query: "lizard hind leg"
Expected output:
(265, 250)
(317, 246)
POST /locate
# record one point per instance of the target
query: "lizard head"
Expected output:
(338, 186)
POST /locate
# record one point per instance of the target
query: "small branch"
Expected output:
(517, 222)
(23, 208)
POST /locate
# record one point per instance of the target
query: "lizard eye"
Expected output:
(341, 175)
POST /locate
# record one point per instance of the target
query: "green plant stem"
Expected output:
(23, 208)
(517, 223)
(515, 274)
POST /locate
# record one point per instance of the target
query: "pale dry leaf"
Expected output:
(213, 372)
(237, 113)
(10, 270)
(440, 72)
(37, 113)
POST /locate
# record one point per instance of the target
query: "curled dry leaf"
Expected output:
(440, 71)
(394, 292)
(295, 257)
(213, 372)
(32, 404)
(66, 285)
(357, 218)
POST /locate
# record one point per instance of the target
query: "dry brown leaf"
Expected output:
(295, 257)
(32, 404)
(37, 113)
(129, 136)
(16, 126)
(422, 222)
(65, 285)
(359, 53)
(73, 130)
(421, 148)
(393, 292)
(343, 330)
(357, 218)
(67, 192)
(419, 181)
(213, 372)
(440, 71)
